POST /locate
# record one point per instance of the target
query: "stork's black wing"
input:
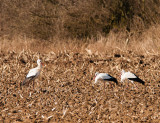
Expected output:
(112, 79)
(137, 80)
(27, 80)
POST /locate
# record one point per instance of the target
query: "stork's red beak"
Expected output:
(94, 77)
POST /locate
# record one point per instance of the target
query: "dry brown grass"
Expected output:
(146, 43)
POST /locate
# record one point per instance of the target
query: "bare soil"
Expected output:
(64, 92)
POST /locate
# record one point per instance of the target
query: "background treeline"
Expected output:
(46, 19)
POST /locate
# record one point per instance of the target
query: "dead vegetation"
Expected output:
(75, 39)
(65, 93)
(80, 19)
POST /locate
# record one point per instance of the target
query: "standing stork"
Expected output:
(131, 77)
(104, 77)
(33, 74)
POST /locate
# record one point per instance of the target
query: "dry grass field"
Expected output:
(64, 92)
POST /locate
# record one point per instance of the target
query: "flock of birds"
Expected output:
(35, 72)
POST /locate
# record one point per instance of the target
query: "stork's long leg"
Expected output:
(33, 84)
(111, 85)
(104, 87)
(122, 85)
(134, 84)
(127, 84)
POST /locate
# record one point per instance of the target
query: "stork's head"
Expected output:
(122, 72)
(39, 62)
(96, 74)
(95, 78)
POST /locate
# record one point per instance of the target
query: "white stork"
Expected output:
(33, 73)
(104, 77)
(130, 76)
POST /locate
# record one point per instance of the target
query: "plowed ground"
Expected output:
(64, 92)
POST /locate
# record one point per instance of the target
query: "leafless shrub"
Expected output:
(75, 19)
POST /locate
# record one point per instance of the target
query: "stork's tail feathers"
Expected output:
(27, 80)
(115, 80)
(137, 80)
(140, 81)
(24, 82)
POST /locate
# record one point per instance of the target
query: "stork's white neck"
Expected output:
(39, 66)
(122, 72)
(122, 75)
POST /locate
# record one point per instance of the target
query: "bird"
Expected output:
(131, 77)
(33, 74)
(104, 77)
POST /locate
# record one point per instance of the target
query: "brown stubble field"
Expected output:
(65, 92)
